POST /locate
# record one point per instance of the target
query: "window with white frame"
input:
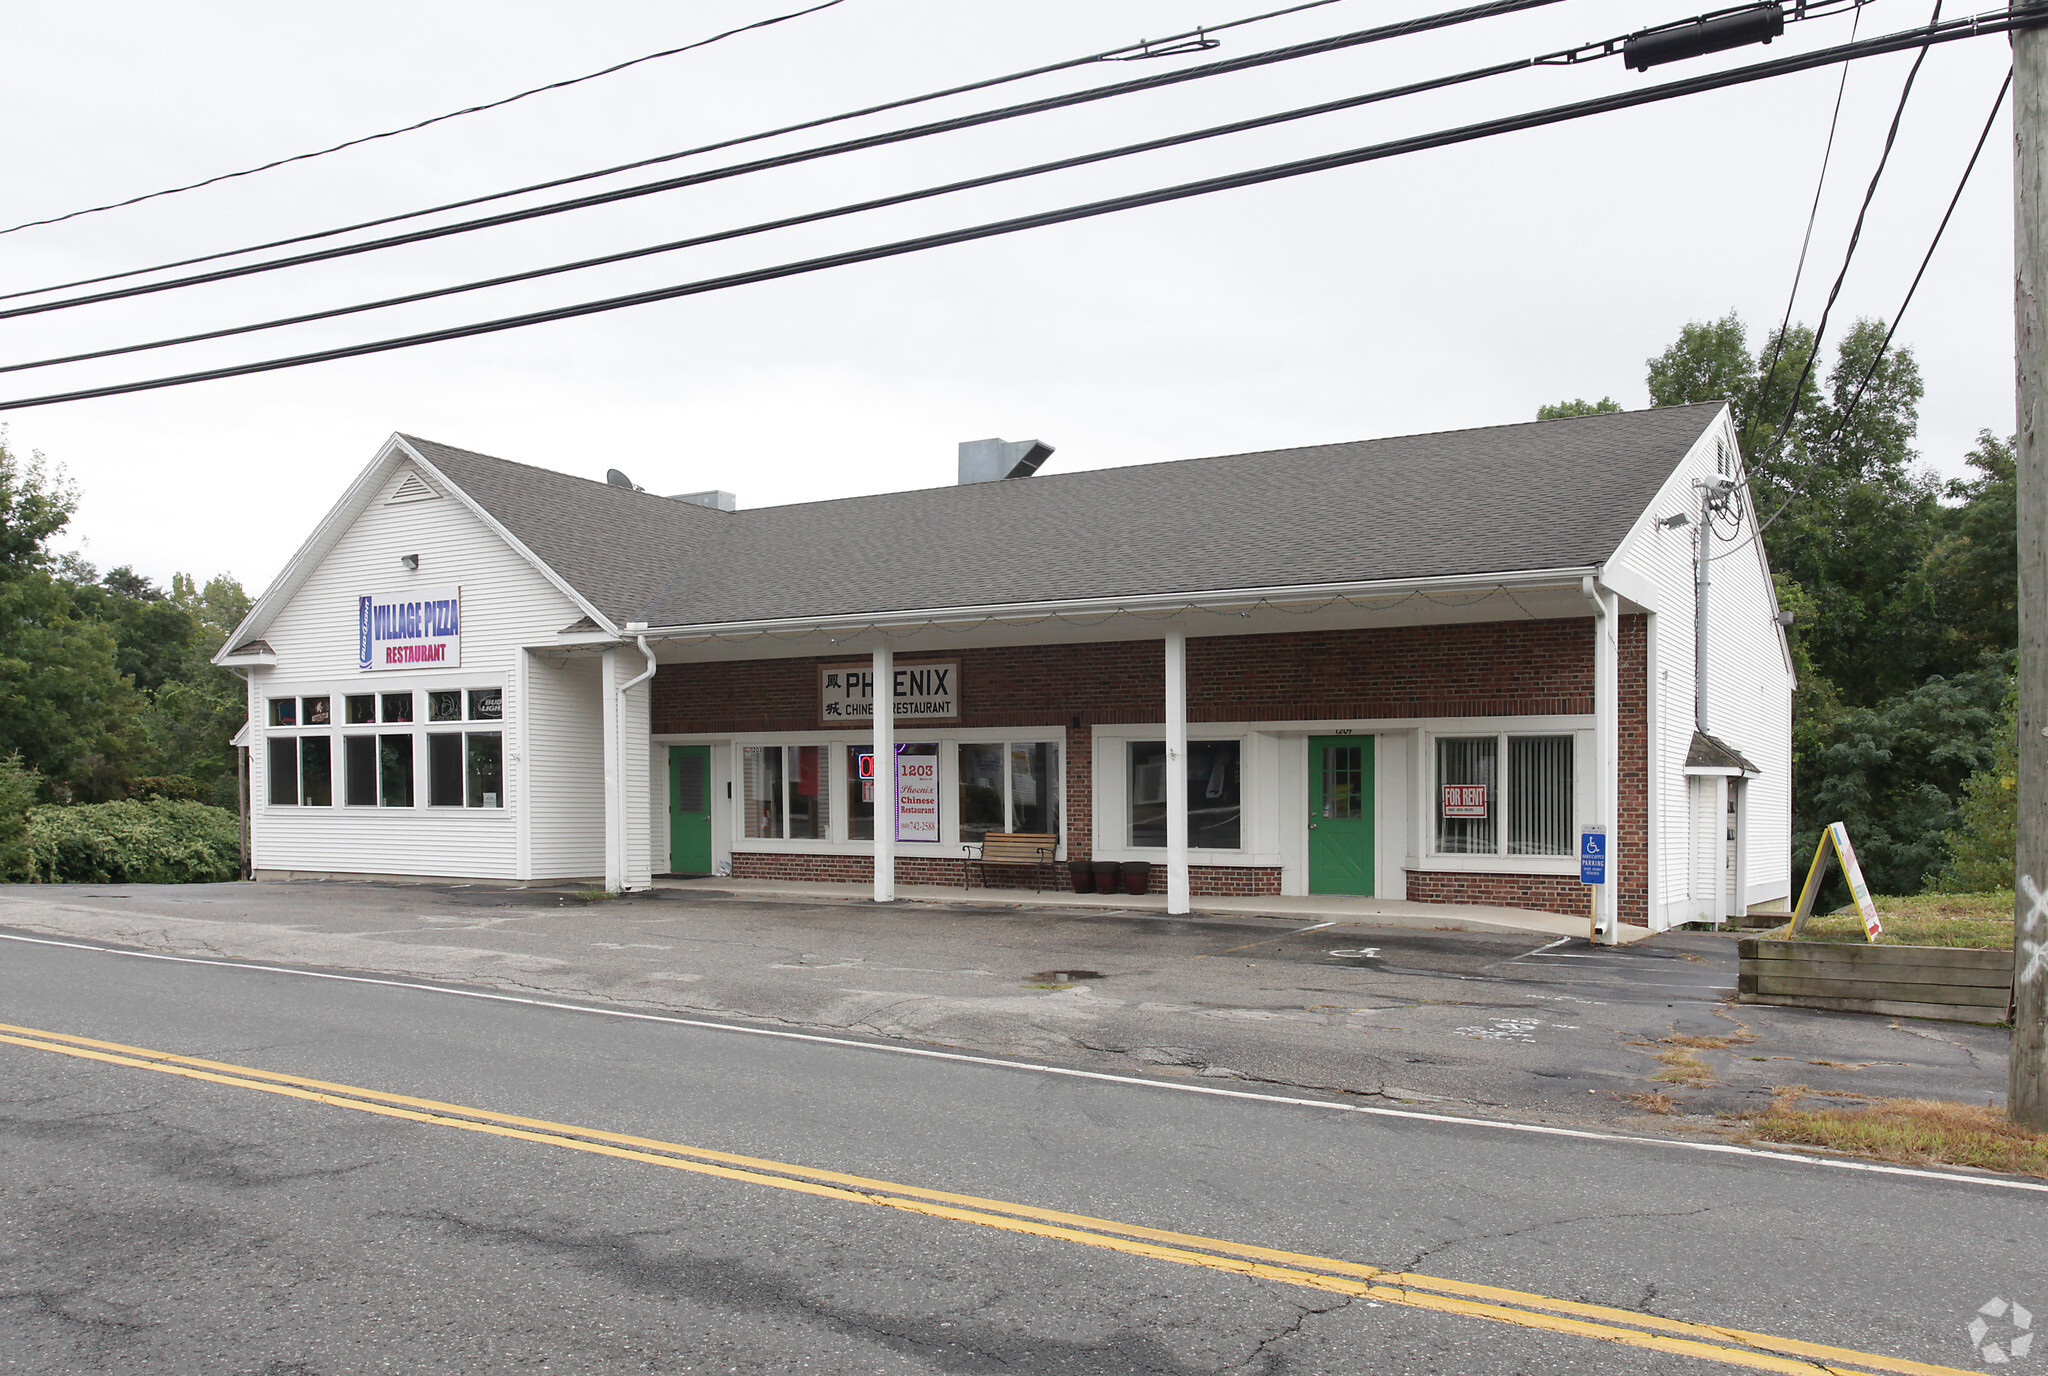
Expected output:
(1215, 794)
(1008, 786)
(300, 752)
(784, 792)
(379, 745)
(465, 768)
(1504, 794)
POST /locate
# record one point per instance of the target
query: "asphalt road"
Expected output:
(1488, 1024)
(224, 1220)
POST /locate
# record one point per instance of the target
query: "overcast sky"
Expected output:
(1454, 288)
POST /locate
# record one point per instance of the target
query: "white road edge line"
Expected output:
(1317, 928)
(1539, 1129)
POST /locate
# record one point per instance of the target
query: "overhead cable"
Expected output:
(1401, 28)
(810, 217)
(2023, 15)
(1784, 429)
(422, 124)
(1869, 373)
(1142, 48)
(1812, 215)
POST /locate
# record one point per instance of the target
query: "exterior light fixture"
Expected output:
(410, 561)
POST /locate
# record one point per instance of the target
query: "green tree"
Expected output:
(1981, 842)
(1578, 406)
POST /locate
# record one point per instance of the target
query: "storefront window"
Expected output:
(1467, 796)
(362, 708)
(486, 771)
(316, 767)
(981, 791)
(761, 790)
(1035, 787)
(444, 704)
(397, 707)
(284, 770)
(1215, 795)
(444, 765)
(860, 793)
(359, 774)
(1527, 812)
(394, 767)
(809, 804)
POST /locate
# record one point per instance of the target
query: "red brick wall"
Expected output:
(1564, 893)
(1203, 880)
(1500, 668)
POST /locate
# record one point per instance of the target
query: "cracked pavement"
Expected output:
(1484, 1024)
(160, 1223)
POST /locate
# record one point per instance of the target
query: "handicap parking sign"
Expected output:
(1593, 855)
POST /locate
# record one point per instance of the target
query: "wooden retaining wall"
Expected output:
(1904, 981)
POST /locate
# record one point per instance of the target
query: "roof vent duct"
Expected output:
(988, 461)
(716, 500)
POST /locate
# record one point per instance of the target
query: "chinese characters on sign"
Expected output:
(1464, 800)
(406, 630)
(923, 692)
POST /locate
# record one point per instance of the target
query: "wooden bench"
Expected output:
(1032, 848)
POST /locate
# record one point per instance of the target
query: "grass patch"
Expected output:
(1913, 1132)
(1681, 1067)
(1972, 921)
(1652, 1101)
(598, 895)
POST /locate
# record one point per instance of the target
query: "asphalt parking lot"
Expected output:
(1491, 1024)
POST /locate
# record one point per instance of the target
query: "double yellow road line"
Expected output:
(1711, 1342)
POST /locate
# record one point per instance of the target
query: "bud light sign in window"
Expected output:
(419, 628)
(1464, 800)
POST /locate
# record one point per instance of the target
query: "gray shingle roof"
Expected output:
(1545, 494)
(616, 546)
(1711, 752)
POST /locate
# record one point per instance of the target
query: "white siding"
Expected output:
(1749, 688)
(506, 604)
(566, 764)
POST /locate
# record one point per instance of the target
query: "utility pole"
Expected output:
(2027, 1085)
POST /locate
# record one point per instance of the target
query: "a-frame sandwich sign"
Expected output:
(1837, 837)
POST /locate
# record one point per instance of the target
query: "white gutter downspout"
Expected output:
(1606, 746)
(617, 832)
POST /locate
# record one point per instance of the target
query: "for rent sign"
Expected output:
(923, 692)
(418, 628)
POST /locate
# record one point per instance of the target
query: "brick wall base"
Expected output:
(1210, 881)
(1545, 893)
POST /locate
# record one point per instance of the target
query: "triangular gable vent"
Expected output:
(413, 489)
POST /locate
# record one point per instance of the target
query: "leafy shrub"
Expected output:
(175, 786)
(150, 841)
(17, 795)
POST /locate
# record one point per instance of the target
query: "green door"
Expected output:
(689, 809)
(1340, 808)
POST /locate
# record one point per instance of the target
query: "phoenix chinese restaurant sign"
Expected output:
(922, 693)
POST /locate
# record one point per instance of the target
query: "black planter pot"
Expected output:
(1107, 872)
(1137, 877)
(1082, 874)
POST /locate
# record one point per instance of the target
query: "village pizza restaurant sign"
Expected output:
(418, 628)
(923, 692)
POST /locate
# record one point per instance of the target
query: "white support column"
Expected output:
(614, 811)
(1719, 910)
(885, 775)
(1177, 896)
(1607, 746)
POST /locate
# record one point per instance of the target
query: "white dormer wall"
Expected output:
(1749, 683)
(507, 604)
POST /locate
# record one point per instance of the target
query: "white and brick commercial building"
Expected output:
(1412, 668)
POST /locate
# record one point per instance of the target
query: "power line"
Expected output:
(1849, 253)
(1812, 215)
(1157, 47)
(421, 124)
(1998, 21)
(836, 212)
(1315, 47)
(1842, 426)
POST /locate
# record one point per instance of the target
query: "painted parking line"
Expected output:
(1711, 1342)
(1020, 1066)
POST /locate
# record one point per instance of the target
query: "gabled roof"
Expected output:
(1541, 495)
(614, 545)
(1544, 495)
(1711, 753)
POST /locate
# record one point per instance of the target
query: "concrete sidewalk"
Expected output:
(1377, 912)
